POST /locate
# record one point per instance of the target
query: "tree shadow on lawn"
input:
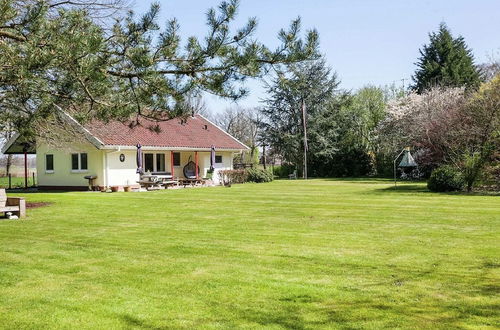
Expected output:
(422, 189)
(386, 310)
(36, 191)
(362, 179)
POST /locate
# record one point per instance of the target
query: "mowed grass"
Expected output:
(289, 254)
(15, 182)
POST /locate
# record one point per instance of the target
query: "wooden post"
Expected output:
(34, 183)
(25, 169)
(264, 155)
(196, 163)
(10, 180)
(172, 163)
(304, 123)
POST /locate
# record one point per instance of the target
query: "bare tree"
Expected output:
(491, 68)
(195, 104)
(242, 124)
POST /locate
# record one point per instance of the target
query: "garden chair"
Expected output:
(16, 205)
(293, 176)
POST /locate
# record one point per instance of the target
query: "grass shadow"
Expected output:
(419, 188)
(404, 188)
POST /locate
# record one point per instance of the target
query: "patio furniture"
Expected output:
(293, 176)
(91, 179)
(162, 175)
(169, 183)
(16, 205)
(190, 170)
(150, 182)
(190, 182)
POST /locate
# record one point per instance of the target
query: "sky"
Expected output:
(365, 41)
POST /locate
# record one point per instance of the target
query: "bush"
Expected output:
(346, 162)
(445, 178)
(283, 170)
(228, 177)
(258, 175)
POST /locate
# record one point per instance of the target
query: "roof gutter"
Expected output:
(9, 143)
(125, 147)
(72, 121)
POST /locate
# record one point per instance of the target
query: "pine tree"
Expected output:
(445, 61)
(71, 55)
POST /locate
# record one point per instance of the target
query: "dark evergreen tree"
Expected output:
(311, 83)
(445, 61)
(336, 122)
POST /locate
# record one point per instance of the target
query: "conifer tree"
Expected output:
(445, 62)
(65, 55)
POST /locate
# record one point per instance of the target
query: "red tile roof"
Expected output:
(194, 132)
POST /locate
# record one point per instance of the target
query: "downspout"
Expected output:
(105, 169)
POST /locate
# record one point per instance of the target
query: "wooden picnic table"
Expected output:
(169, 183)
(190, 182)
(153, 181)
(149, 181)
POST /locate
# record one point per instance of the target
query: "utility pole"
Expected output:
(304, 121)
(264, 155)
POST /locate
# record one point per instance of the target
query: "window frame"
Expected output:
(160, 161)
(81, 161)
(79, 168)
(146, 155)
(219, 157)
(177, 154)
(46, 163)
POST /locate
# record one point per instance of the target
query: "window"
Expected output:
(218, 159)
(148, 163)
(74, 162)
(160, 162)
(83, 162)
(177, 159)
(49, 163)
(79, 162)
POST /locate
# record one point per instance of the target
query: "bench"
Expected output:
(16, 205)
(169, 183)
(149, 185)
(191, 182)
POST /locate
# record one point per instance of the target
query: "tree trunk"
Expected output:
(8, 164)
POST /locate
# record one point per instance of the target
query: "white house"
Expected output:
(109, 151)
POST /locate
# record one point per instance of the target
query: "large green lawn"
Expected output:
(289, 254)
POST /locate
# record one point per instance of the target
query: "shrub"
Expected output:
(228, 177)
(258, 175)
(473, 165)
(283, 170)
(445, 178)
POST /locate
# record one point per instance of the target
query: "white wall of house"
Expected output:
(62, 174)
(124, 173)
(111, 170)
(227, 164)
(118, 173)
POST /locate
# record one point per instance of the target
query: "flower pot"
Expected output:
(127, 189)
(115, 188)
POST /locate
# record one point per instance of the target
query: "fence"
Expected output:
(14, 181)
